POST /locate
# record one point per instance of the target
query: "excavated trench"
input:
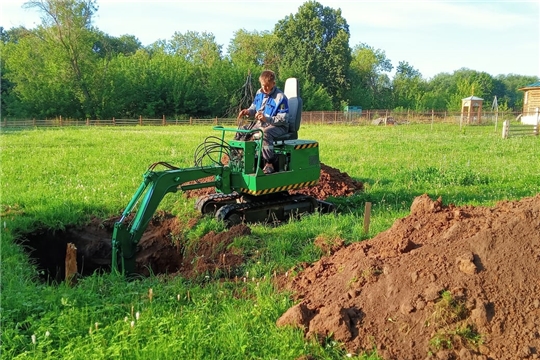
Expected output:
(162, 250)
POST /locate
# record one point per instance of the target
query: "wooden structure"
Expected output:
(513, 129)
(531, 104)
(471, 109)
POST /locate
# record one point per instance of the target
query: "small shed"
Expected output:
(471, 109)
(531, 104)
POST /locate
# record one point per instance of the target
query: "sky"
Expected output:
(496, 37)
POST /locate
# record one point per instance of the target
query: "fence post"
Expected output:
(113, 121)
(163, 122)
(506, 125)
(432, 117)
(87, 121)
(215, 123)
(367, 217)
(190, 120)
(60, 120)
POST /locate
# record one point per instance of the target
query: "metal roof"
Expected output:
(533, 85)
(473, 98)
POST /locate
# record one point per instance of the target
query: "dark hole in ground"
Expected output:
(161, 250)
(47, 249)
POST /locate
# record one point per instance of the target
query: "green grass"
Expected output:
(52, 178)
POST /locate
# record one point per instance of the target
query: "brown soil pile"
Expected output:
(445, 281)
(331, 183)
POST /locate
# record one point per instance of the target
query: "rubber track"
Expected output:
(215, 197)
(243, 208)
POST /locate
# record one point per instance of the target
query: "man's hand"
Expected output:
(260, 116)
(242, 113)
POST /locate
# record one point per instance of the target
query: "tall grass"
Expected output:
(53, 178)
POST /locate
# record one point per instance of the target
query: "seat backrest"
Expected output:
(295, 109)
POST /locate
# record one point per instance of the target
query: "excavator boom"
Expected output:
(154, 187)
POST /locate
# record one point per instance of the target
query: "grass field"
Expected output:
(57, 177)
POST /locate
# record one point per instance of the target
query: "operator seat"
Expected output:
(295, 110)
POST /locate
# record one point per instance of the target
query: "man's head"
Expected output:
(268, 81)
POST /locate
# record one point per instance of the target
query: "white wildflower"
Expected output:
(34, 339)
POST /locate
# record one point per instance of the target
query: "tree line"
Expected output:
(68, 67)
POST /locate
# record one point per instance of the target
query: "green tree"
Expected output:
(467, 83)
(507, 89)
(314, 47)
(370, 85)
(195, 47)
(108, 46)
(66, 28)
(253, 50)
(408, 87)
(39, 80)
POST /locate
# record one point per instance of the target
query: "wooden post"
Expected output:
(432, 117)
(71, 264)
(367, 217)
(505, 129)
(140, 120)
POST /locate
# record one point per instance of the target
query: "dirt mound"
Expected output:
(332, 182)
(445, 281)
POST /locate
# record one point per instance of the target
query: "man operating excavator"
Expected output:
(270, 110)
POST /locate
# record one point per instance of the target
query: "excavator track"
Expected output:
(273, 210)
(211, 203)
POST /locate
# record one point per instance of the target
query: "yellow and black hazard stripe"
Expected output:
(279, 188)
(306, 146)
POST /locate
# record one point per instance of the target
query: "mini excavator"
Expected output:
(243, 193)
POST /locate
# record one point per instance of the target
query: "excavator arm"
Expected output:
(154, 187)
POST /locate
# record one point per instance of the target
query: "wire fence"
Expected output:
(366, 117)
